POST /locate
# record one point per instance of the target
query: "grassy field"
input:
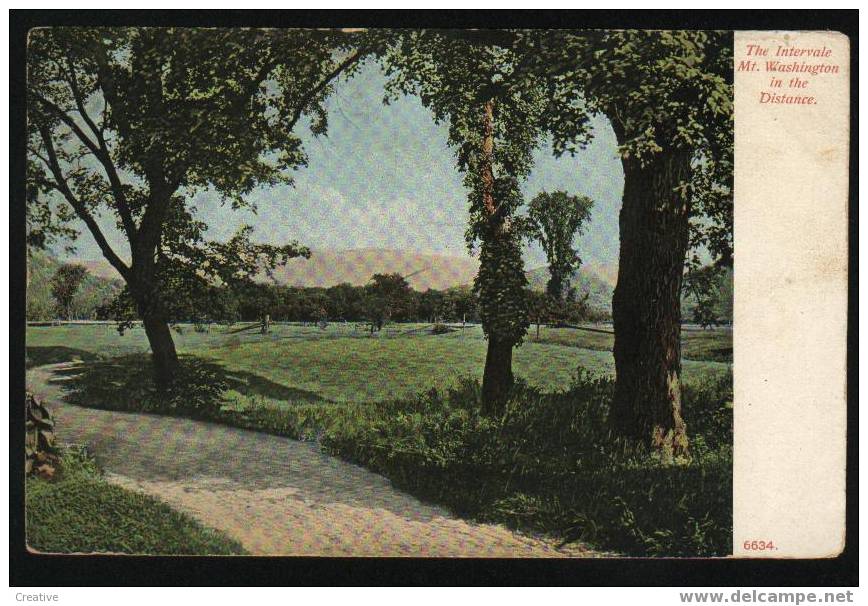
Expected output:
(405, 403)
(710, 345)
(79, 512)
(344, 364)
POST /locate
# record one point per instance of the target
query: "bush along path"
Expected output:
(274, 495)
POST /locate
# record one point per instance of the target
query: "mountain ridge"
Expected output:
(356, 266)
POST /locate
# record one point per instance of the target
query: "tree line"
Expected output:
(385, 298)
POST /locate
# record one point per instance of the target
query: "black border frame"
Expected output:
(28, 569)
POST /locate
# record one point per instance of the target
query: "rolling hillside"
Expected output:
(356, 266)
(97, 288)
(601, 290)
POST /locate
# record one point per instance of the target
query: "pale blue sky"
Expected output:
(385, 177)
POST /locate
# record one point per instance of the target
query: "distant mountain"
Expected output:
(99, 268)
(607, 272)
(356, 266)
(422, 270)
(426, 270)
(601, 290)
(586, 280)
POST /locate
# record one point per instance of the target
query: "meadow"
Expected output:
(405, 403)
(344, 363)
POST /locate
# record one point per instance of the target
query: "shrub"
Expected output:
(126, 384)
(196, 391)
(440, 329)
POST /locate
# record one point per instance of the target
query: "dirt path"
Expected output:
(275, 495)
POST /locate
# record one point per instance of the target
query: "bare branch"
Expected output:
(36, 153)
(79, 100)
(104, 118)
(64, 117)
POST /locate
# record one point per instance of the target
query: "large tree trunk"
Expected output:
(163, 353)
(498, 378)
(143, 287)
(646, 307)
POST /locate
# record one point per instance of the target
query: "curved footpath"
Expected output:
(275, 495)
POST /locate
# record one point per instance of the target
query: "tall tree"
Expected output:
(668, 96)
(494, 113)
(64, 284)
(555, 219)
(129, 122)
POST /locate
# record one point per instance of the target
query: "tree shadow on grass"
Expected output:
(42, 355)
(126, 383)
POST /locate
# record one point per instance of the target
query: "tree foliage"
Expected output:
(65, 284)
(388, 297)
(703, 287)
(554, 220)
(460, 81)
(123, 118)
(663, 92)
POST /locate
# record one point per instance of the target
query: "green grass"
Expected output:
(295, 364)
(79, 512)
(711, 345)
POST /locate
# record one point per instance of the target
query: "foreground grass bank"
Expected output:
(79, 512)
(549, 465)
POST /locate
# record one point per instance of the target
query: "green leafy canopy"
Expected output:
(459, 80)
(133, 121)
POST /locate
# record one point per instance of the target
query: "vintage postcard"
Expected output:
(502, 293)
